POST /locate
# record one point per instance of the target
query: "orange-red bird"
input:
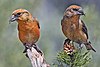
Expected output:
(74, 28)
(28, 27)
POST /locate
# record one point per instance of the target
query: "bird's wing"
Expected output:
(63, 20)
(35, 20)
(84, 28)
(38, 24)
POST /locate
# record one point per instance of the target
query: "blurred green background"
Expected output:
(49, 14)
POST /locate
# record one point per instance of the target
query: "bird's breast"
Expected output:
(70, 30)
(73, 33)
(28, 33)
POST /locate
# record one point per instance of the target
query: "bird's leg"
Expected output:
(25, 50)
(38, 50)
(67, 41)
(80, 46)
(27, 46)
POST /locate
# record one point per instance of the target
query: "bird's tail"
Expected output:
(89, 47)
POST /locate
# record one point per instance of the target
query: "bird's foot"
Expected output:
(27, 47)
(67, 41)
(26, 55)
(25, 50)
(38, 50)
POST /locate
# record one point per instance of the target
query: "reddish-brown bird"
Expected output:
(74, 28)
(28, 27)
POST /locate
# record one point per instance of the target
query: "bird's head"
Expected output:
(74, 10)
(21, 15)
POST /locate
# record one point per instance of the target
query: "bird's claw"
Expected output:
(27, 47)
(67, 41)
(25, 50)
(26, 55)
(38, 50)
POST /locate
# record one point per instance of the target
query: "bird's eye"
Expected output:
(75, 9)
(18, 14)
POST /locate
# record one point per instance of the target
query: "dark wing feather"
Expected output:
(61, 21)
(38, 24)
(84, 28)
(35, 20)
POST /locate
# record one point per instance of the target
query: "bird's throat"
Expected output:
(75, 20)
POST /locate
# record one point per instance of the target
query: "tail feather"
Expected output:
(89, 47)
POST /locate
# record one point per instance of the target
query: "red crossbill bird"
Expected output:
(28, 27)
(74, 28)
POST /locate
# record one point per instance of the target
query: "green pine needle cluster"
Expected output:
(77, 59)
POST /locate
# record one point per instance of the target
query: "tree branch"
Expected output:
(36, 58)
